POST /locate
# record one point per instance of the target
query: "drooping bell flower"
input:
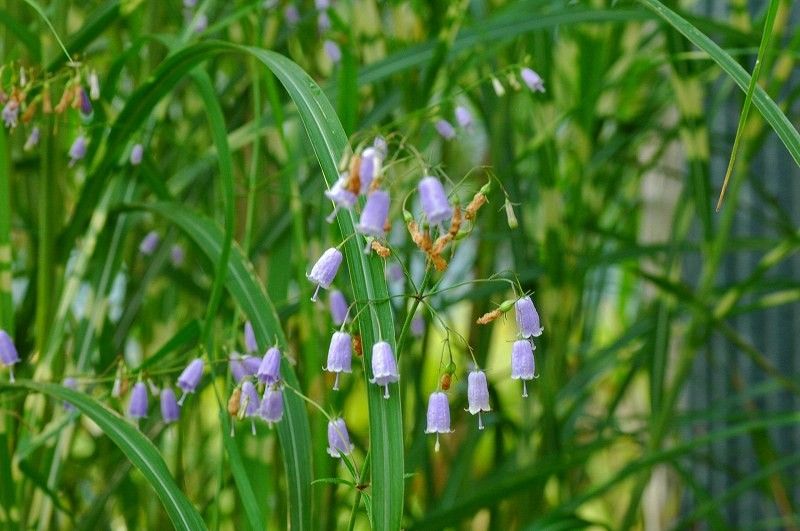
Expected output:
(249, 402)
(70, 383)
(324, 271)
(338, 307)
(370, 167)
(149, 243)
(11, 113)
(478, 395)
(434, 201)
(374, 215)
(438, 415)
(291, 15)
(323, 22)
(527, 318)
(33, 139)
(445, 129)
(523, 365)
(94, 86)
(86, 104)
(269, 371)
(250, 343)
(332, 50)
(338, 438)
(236, 364)
(78, 150)
(190, 378)
(340, 356)
(136, 154)
(322, 4)
(341, 197)
(137, 408)
(176, 255)
(532, 80)
(8, 353)
(170, 410)
(463, 116)
(384, 366)
(271, 408)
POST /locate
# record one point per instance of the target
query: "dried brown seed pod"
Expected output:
(357, 348)
(233, 402)
(440, 243)
(439, 263)
(445, 381)
(381, 249)
(353, 177)
(488, 317)
(455, 223)
(472, 208)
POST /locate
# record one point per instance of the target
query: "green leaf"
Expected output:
(138, 448)
(768, 108)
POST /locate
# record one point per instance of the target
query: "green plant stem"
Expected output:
(357, 501)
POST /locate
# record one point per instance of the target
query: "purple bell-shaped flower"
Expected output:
(8, 353)
(333, 51)
(370, 167)
(137, 408)
(434, 201)
(384, 366)
(463, 117)
(190, 378)
(249, 403)
(170, 410)
(338, 307)
(341, 197)
(136, 154)
(269, 371)
(374, 215)
(527, 318)
(340, 355)
(523, 365)
(338, 438)
(532, 79)
(438, 415)
(324, 271)
(271, 408)
(78, 150)
(445, 129)
(250, 343)
(478, 395)
(149, 243)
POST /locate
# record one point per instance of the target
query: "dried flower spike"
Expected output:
(190, 378)
(338, 307)
(338, 438)
(438, 416)
(269, 371)
(8, 353)
(340, 355)
(138, 405)
(324, 271)
(478, 395)
(434, 201)
(170, 410)
(384, 366)
(523, 365)
(528, 318)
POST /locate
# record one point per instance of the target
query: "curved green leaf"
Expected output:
(138, 448)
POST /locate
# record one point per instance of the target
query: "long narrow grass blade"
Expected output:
(748, 100)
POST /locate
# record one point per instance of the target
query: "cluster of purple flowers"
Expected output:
(187, 382)
(523, 366)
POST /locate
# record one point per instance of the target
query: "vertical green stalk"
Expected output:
(45, 269)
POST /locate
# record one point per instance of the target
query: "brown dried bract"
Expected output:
(381, 249)
(472, 208)
(440, 243)
(455, 223)
(233, 402)
(420, 238)
(445, 381)
(66, 99)
(439, 263)
(353, 176)
(488, 317)
(29, 112)
(357, 348)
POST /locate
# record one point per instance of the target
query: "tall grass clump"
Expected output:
(355, 264)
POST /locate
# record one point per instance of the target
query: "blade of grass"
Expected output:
(748, 100)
